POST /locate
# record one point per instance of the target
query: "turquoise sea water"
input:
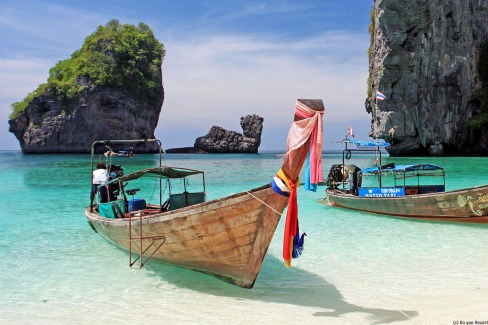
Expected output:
(357, 268)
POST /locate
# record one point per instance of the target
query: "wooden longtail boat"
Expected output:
(408, 191)
(227, 238)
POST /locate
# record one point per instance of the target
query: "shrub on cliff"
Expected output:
(114, 55)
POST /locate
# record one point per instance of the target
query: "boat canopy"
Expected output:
(404, 168)
(368, 144)
(164, 172)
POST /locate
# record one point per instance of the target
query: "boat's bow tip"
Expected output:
(315, 104)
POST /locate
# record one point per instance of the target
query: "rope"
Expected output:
(264, 203)
(355, 280)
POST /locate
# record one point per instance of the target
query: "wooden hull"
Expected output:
(465, 205)
(227, 238)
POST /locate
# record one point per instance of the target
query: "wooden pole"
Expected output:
(294, 160)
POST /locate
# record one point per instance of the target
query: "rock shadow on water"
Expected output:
(277, 284)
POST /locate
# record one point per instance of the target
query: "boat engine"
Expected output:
(336, 176)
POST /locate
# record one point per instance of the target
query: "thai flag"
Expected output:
(380, 96)
(350, 131)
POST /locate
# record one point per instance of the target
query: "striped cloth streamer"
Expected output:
(309, 127)
(301, 131)
(286, 187)
(291, 225)
(280, 184)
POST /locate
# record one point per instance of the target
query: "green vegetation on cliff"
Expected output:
(114, 55)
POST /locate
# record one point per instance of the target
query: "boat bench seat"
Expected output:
(181, 200)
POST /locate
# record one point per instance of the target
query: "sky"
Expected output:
(224, 60)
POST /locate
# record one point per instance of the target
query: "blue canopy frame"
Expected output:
(403, 168)
(402, 172)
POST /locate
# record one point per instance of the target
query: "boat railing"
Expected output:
(107, 144)
(364, 146)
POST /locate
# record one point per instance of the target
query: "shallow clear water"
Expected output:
(357, 268)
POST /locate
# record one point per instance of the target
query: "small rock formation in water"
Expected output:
(219, 140)
(424, 57)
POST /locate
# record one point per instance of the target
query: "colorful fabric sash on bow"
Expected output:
(309, 127)
(280, 184)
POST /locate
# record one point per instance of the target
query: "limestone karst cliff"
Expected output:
(101, 113)
(424, 57)
(109, 89)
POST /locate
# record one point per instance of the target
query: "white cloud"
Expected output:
(208, 79)
(219, 79)
(47, 22)
(18, 77)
